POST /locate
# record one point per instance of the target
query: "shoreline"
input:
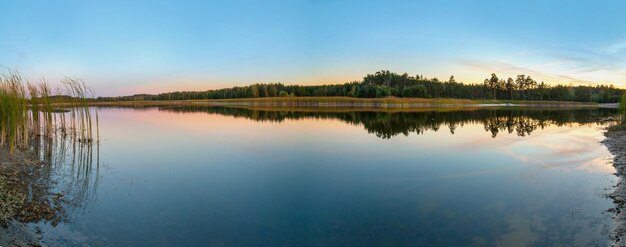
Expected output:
(615, 141)
(347, 102)
(17, 170)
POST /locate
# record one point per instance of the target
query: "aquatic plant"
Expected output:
(13, 112)
(80, 121)
(26, 111)
(51, 138)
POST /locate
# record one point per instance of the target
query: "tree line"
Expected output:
(388, 84)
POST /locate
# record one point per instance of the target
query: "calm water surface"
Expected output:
(203, 176)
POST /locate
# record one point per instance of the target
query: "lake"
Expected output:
(223, 176)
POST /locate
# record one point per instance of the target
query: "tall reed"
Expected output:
(13, 112)
(77, 94)
(27, 111)
(58, 131)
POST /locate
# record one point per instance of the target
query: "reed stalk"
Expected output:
(27, 111)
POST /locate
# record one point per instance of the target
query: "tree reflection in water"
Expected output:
(387, 124)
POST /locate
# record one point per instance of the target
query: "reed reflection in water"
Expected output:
(57, 175)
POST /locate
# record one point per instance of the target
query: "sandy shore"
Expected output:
(616, 143)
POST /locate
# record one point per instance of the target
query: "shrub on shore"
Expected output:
(621, 124)
(622, 107)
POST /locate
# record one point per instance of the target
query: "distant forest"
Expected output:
(388, 84)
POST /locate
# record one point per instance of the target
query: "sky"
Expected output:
(128, 47)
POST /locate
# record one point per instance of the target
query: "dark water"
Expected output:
(215, 176)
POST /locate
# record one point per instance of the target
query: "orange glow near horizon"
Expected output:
(164, 86)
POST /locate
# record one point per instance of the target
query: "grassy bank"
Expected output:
(349, 101)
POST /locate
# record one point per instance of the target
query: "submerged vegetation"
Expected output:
(388, 84)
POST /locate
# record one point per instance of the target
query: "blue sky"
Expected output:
(126, 47)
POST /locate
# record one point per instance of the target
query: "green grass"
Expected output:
(389, 101)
